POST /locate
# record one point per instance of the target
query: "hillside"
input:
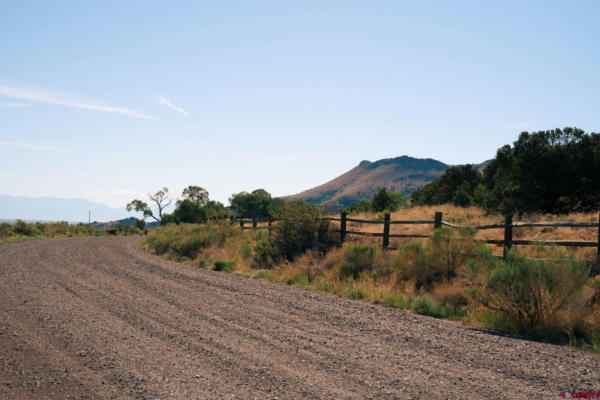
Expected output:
(401, 174)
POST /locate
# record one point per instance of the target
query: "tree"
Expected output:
(188, 211)
(196, 194)
(381, 201)
(258, 204)
(554, 171)
(301, 228)
(141, 206)
(445, 188)
(160, 198)
(386, 200)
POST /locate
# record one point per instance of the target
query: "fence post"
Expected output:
(598, 254)
(342, 226)
(253, 223)
(386, 231)
(508, 233)
(437, 220)
(242, 223)
(231, 219)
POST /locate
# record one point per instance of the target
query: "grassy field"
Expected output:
(447, 276)
(22, 231)
(473, 216)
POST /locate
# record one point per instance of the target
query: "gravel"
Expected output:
(98, 317)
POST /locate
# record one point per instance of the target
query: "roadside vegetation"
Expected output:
(450, 275)
(21, 231)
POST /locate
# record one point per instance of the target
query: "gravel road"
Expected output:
(94, 318)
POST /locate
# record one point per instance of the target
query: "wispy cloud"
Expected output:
(37, 96)
(166, 102)
(40, 147)
(16, 105)
(35, 147)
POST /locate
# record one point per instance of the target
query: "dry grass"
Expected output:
(384, 281)
(473, 216)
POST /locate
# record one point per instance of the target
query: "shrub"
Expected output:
(538, 296)
(23, 228)
(140, 224)
(357, 258)
(222, 265)
(6, 229)
(205, 262)
(264, 255)
(427, 305)
(301, 228)
(396, 301)
(355, 294)
(245, 249)
(437, 260)
(188, 240)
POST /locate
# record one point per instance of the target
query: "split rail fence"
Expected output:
(438, 222)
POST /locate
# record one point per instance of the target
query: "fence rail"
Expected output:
(438, 222)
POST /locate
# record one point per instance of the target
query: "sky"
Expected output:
(110, 100)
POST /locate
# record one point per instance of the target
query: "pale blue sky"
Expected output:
(103, 100)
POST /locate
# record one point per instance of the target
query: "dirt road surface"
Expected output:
(94, 318)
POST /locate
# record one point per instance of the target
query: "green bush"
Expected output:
(396, 301)
(438, 259)
(357, 258)
(245, 249)
(301, 228)
(6, 229)
(23, 228)
(427, 305)
(355, 294)
(188, 240)
(205, 262)
(538, 296)
(264, 255)
(222, 265)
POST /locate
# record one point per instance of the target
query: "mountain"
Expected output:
(57, 209)
(401, 174)
(125, 221)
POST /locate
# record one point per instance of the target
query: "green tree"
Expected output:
(160, 198)
(196, 207)
(554, 171)
(198, 195)
(445, 188)
(301, 228)
(386, 200)
(188, 211)
(258, 204)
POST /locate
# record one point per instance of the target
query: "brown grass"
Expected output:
(473, 216)
(384, 282)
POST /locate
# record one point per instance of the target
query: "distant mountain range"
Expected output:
(401, 174)
(57, 209)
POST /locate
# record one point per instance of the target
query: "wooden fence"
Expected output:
(438, 222)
